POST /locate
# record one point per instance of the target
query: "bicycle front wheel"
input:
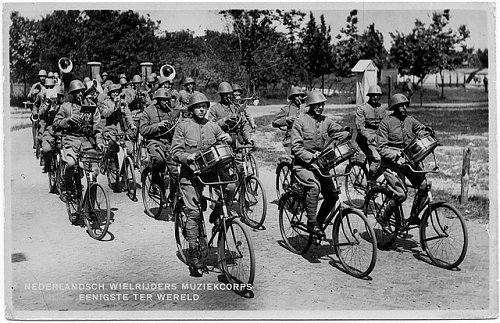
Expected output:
(443, 235)
(354, 242)
(129, 179)
(386, 231)
(293, 223)
(355, 184)
(52, 173)
(151, 198)
(180, 217)
(97, 212)
(73, 197)
(253, 202)
(283, 178)
(253, 164)
(236, 255)
(61, 189)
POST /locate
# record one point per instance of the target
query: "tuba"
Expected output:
(167, 71)
(65, 65)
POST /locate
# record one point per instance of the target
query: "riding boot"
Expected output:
(194, 257)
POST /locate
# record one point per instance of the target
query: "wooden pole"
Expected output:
(464, 194)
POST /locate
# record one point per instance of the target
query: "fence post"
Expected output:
(464, 193)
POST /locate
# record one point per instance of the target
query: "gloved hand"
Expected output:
(191, 157)
(400, 160)
(315, 155)
(341, 135)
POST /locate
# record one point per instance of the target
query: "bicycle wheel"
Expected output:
(253, 202)
(151, 198)
(129, 178)
(61, 169)
(253, 164)
(283, 178)
(73, 197)
(52, 173)
(293, 223)
(443, 235)
(236, 254)
(112, 172)
(355, 184)
(97, 211)
(180, 217)
(375, 205)
(354, 242)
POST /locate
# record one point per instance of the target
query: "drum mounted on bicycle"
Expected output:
(333, 156)
(213, 156)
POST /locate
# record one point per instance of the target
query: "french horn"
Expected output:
(65, 65)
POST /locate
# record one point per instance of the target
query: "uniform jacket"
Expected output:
(289, 110)
(394, 134)
(113, 116)
(39, 97)
(191, 137)
(89, 127)
(219, 112)
(47, 114)
(149, 128)
(367, 121)
(310, 135)
(184, 97)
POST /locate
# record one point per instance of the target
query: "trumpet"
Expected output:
(167, 71)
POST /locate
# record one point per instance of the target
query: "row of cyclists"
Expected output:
(93, 115)
(382, 134)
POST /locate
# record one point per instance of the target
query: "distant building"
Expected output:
(366, 75)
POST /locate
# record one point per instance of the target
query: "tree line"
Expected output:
(260, 49)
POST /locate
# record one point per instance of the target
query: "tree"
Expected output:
(372, 46)
(348, 48)
(429, 49)
(23, 58)
(318, 50)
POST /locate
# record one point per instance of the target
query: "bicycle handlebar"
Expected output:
(244, 147)
(433, 171)
(329, 175)
(219, 182)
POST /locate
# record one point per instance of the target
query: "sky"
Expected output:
(387, 16)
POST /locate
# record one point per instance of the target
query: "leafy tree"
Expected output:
(372, 46)
(318, 50)
(348, 48)
(483, 57)
(23, 57)
(429, 49)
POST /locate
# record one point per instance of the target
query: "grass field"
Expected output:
(455, 128)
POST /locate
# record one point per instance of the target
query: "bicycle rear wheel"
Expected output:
(151, 198)
(73, 197)
(375, 205)
(61, 189)
(283, 178)
(354, 242)
(293, 223)
(253, 202)
(97, 212)
(443, 235)
(129, 178)
(236, 255)
(52, 174)
(355, 184)
(180, 217)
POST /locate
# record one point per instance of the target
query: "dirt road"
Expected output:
(46, 249)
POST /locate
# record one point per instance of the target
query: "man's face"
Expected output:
(60, 98)
(374, 98)
(317, 109)
(113, 95)
(199, 110)
(78, 95)
(164, 103)
(42, 79)
(298, 99)
(104, 78)
(224, 96)
(401, 110)
(190, 87)
(237, 94)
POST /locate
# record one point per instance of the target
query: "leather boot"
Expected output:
(194, 257)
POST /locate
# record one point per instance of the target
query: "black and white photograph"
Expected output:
(250, 160)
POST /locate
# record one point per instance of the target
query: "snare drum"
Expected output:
(420, 148)
(211, 157)
(331, 157)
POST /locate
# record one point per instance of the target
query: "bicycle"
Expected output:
(94, 203)
(353, 239)
(283, 175)
(249, 192)
(124, 175)
(154, 198)
(235, 252)
(442, 230)
(53, 172)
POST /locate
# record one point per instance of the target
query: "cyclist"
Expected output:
(288, 114)
(118, 119)
(48, 110)
(190, 137)
(156, 126)
(82, 126)
(185, 94)
(237, 92)
(368, 117)
(37, 91)
(227, 115)
(311, 132)
(395, 132)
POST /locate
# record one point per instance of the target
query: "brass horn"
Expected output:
(65, 65)
(92, 86)
(167, 71)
